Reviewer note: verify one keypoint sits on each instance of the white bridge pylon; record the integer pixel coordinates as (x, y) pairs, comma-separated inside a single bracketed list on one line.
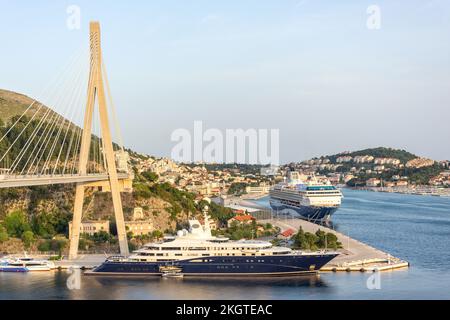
[(96, 91)]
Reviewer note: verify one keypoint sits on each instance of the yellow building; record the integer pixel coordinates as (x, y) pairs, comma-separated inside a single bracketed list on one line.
[(91, 227), (139, 228)]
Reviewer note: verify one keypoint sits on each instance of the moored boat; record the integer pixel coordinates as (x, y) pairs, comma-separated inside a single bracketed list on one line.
[(195, 252), (25, 264), (312, 200)]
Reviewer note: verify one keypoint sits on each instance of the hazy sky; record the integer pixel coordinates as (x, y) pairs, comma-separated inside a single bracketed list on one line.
[(312, 69)]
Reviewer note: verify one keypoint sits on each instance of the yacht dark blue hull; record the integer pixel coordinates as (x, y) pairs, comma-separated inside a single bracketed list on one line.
[(222, 266), (305, 212)]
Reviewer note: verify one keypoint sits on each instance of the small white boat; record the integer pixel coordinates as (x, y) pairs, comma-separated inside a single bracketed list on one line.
[(171, 272), (172, 275), (25, 264)]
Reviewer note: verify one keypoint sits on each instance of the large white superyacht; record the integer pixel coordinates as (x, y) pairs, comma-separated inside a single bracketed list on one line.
[(197, 252)]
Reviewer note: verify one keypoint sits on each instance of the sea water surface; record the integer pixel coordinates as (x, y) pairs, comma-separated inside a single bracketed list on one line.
[(415, 228)]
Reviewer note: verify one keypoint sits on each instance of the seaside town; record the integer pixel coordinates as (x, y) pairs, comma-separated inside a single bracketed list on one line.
[(228, 186), (225, 155), (416, 175)]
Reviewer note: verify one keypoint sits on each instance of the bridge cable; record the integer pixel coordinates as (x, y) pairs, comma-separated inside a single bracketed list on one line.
[(36, 129), (79, 134), (112, 107), (47, 88), (46, 134), (62, 123)]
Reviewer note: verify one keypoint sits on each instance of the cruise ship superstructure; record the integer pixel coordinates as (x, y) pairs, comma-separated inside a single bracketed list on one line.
[(197, 252), (311, 200)]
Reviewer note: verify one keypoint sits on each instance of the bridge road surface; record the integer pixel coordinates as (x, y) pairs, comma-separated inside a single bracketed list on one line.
[(41, 180)]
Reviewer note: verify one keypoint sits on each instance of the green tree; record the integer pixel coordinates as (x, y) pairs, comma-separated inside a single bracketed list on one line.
[(322, 241), (129, 235), (85, 243), (305, 240), (58, 245), (3, 234), (333, 241), (28, 238), (300, 239), (150, 176), (311, 241), (132, 246), (42, 225), (157, 234), (101, 237), (44, 246), (16, 224), (237, 188)]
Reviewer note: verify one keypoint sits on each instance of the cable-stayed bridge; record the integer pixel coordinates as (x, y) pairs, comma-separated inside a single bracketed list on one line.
[(70, 141)]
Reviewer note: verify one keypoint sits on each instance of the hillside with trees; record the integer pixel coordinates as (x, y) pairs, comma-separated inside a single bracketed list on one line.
[(37, 218), (380, 152)]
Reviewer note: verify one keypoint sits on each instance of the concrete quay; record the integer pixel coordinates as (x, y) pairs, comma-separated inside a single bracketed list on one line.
[(355, 255)]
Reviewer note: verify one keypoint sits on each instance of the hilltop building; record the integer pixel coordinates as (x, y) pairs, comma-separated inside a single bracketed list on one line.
[(388, 161), (419, 163), (344, 159), (363, 159), (122, 160)]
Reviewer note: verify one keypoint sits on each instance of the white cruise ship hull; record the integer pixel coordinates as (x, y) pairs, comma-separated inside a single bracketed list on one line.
[(312, 213)]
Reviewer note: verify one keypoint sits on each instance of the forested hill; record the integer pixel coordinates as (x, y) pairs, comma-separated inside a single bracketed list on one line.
[(32, 218), (17, 128), (14, 104), (380, 152)]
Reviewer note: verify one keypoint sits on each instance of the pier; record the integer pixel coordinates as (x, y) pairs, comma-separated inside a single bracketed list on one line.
[(354, 256)]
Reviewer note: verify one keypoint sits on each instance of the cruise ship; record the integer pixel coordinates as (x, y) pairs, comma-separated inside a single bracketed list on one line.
[(195, 252), (305, 198)]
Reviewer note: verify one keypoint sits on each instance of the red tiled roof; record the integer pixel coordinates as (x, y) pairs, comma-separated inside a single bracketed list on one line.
[(287, 233), (244, 218)]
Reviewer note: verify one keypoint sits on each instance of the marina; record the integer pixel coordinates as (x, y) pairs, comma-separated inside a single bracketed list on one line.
[(355, 256), (400, 229)]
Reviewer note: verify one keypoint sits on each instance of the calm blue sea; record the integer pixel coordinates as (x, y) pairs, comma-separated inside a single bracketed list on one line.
[(415, 228)]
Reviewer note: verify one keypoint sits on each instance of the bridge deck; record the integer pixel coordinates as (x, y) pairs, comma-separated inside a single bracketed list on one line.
[(41, 180)]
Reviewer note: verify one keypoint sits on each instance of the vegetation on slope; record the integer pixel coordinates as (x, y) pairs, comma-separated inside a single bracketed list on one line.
[(13, 104), (380, 152)]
